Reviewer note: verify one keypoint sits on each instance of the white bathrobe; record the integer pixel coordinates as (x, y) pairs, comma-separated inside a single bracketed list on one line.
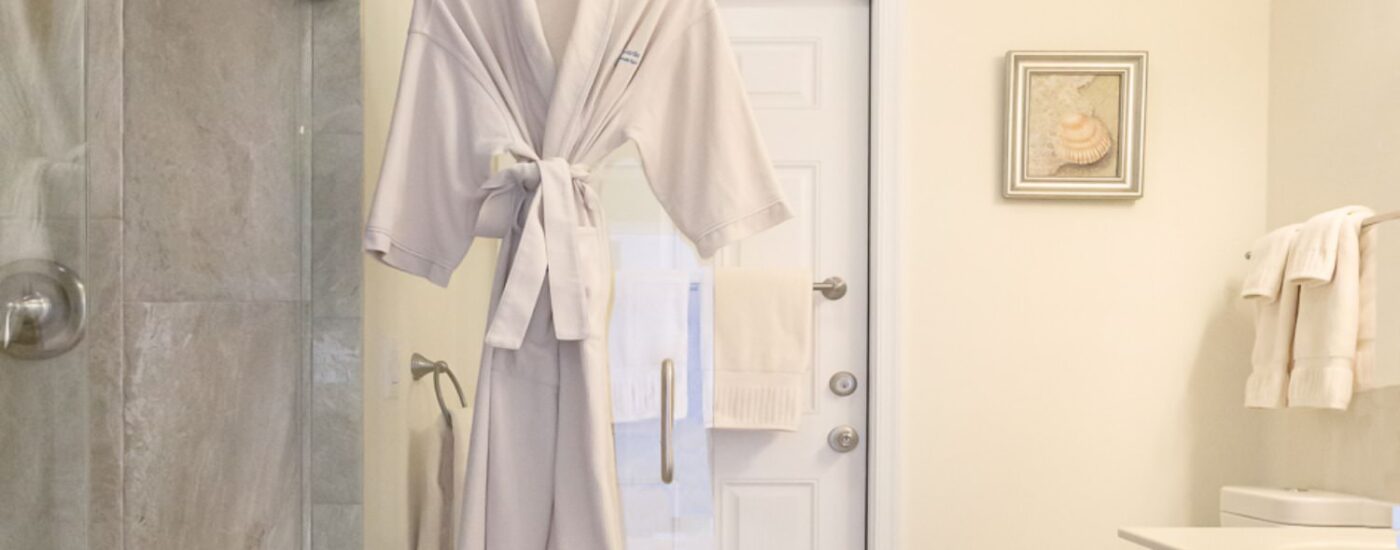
[(479, 80)]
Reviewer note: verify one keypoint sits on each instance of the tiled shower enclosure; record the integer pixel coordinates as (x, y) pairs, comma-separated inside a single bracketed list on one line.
[(197, 163)]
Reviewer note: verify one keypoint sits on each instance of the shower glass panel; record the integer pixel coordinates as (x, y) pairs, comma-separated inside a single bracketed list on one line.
[(43, 191)]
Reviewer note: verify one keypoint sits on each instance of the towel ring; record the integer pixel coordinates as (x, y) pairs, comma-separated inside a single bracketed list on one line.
[(422, 366)]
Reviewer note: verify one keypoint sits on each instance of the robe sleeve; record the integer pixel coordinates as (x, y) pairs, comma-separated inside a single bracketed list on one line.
[(699, 144), (444, 130)]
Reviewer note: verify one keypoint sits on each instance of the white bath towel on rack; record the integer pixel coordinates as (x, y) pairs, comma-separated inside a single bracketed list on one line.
[(1275, 317), (649, 325), (763, 347), (1333, 263)]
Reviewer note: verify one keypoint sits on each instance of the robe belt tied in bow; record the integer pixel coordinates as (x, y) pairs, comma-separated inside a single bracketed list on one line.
[(549, 190)]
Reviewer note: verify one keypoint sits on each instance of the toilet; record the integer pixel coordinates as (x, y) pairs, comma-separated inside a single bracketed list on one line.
[(1265, 507)]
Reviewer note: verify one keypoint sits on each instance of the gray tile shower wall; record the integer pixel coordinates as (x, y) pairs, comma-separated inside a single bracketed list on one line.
[(201, 308), (337, 138), (104, 340), (336, 57), (213, 454), (211, 274), (211, 199), (106, 382)]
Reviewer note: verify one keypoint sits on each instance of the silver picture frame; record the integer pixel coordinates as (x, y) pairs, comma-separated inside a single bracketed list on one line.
[(1085, 143)]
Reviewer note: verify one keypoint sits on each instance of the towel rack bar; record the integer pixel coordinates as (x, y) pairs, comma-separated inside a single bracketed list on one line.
[(1378, 218), (1368, 222)]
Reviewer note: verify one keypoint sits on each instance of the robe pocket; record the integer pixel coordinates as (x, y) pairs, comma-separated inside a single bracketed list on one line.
[(596, 271)]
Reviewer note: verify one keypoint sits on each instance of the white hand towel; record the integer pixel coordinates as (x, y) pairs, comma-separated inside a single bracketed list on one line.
[(763, 347), (649, 324), (1313, 260), (1267, 260), (438, 472), (1275, 314), (1329, 331)]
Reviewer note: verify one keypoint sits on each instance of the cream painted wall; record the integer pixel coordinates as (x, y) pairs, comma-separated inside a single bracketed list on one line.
[(1333, 140), (404, 314), (1073, 367)]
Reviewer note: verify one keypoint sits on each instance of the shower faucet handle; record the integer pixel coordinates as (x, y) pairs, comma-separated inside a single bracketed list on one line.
[(29, 310), (45, 309)]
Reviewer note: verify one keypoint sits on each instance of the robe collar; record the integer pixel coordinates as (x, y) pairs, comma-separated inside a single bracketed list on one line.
[(571, 78)]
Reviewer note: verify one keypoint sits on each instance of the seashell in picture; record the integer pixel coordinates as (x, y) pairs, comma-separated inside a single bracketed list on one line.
[(1082, 139)]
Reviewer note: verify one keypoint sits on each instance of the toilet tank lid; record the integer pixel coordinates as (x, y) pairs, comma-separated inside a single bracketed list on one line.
[(1305, 507)]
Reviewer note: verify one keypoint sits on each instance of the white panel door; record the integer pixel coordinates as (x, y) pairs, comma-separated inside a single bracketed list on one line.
[(806, 66)]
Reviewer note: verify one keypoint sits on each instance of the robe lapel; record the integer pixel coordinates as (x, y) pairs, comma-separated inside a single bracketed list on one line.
[(513, 47), (532, 42), (567, 122), (614, 78)]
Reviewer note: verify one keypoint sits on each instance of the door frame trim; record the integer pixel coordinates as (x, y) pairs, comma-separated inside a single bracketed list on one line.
[(883, 485)]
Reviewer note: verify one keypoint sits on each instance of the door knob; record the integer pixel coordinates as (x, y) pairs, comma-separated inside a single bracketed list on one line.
[(44, 309), (843, 439)]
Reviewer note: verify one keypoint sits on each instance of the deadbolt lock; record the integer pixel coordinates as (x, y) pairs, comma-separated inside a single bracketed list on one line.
[(843, 383)]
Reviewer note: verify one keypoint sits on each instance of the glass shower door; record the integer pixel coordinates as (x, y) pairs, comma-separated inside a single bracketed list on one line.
[(43, 190)]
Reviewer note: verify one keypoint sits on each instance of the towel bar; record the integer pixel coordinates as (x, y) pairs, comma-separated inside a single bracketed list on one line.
[(1368, 222), (422, 366)]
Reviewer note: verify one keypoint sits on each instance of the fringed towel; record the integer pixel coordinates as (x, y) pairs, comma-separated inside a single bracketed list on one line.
[(763, 347), (649, 325), (1332, 263), (1275, 315)]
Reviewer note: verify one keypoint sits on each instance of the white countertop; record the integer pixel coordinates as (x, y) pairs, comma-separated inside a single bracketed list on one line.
[(1259, 538)]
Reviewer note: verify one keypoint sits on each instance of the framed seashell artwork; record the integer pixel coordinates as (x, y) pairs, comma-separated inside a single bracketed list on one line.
[(1074, 124)]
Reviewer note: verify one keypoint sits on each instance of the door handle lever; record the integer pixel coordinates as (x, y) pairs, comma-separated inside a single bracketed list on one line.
[(668, 420)]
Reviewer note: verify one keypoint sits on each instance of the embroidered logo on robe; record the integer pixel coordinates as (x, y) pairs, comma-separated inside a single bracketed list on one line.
[(632, 57)]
